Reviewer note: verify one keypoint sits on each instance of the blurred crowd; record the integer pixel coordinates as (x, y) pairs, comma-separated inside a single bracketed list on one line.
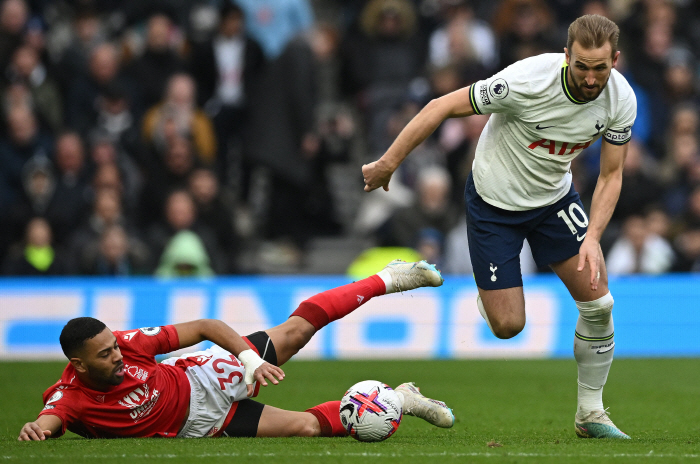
[(202, 137)]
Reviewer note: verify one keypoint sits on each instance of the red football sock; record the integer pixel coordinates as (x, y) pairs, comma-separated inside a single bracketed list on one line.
[(328, 415), (333, 304)]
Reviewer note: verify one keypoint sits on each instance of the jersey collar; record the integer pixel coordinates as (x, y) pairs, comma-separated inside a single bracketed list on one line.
[(565, 86)]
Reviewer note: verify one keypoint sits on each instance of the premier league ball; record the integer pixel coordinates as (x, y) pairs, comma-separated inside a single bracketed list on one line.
[(370, 411)]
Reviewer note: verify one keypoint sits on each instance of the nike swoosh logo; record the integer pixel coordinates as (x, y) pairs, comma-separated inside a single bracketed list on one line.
[(540, 128), (580, 237), (606, 349)]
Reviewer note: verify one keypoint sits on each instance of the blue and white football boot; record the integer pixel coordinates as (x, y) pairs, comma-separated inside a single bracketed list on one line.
[(405, 276), (597, 424)]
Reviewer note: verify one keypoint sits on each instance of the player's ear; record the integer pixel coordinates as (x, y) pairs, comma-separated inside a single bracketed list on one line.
[(78, 365), (568, 57), (617, 55)]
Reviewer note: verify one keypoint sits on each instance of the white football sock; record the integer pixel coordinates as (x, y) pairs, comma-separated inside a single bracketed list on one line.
[(594, 344), (388, 281)]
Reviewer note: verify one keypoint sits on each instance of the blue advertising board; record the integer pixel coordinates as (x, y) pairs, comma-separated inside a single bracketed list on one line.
[(654, 316)]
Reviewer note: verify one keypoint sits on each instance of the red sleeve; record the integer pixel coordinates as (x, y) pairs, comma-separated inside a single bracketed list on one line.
[(62, 404), (150, 340)]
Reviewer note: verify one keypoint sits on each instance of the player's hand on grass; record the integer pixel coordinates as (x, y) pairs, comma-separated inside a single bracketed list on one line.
[(377, 174), (258, 370), (591, 252), (33, 432)]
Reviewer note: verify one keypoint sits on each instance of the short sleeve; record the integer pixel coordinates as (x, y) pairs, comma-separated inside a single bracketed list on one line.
[(150, 340), (620, 130), (501, 93), (61, 404)]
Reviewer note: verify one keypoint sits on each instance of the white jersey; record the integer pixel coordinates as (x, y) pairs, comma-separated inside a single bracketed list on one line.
[(524, 154)]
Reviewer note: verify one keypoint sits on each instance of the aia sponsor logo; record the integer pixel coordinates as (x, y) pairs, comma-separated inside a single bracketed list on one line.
[(136, 372), (559, 148)]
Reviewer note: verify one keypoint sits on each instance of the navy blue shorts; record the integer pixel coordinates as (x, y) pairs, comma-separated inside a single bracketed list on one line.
[(496, 236)]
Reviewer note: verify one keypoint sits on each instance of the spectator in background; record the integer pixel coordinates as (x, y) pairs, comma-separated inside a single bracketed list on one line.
[(86, 240), (181, 215), (638, 251), (24, 141), (158, 62), (87, 32), (381, 62), (284, 141), (28, 75), (431, 210), (37, 200), (274, 23), (104, 152), (525, 28), (13, 18), (184, 256), (115, 254), (170, 173), (227, 69), (86, 90), (464, 41), (36, 257), (71, 195), (117, 120), (679, 170), (215, 210), (178, 114), (640, 187)]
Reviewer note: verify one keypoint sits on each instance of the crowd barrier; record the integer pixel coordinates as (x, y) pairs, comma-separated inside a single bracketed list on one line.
[(654, 316)]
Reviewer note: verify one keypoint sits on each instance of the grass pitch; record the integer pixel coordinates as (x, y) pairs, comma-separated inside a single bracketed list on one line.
[(507, 412)]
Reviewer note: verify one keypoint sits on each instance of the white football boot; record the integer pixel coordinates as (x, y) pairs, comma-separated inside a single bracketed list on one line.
[(415, 404), (400, 276), (597, 424)]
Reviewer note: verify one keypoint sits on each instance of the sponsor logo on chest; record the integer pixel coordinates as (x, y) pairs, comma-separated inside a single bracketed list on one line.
[(136, 372), (140, 402), (554, 147)]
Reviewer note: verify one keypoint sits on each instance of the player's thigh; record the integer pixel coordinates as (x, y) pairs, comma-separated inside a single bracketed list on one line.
[(496, 238), (505, 306), (579, 282), (275, 422)]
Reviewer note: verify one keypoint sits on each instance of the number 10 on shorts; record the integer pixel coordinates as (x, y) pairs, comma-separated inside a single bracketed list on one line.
[(573, 217)]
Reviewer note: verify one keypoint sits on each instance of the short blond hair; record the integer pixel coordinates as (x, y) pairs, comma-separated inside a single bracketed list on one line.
[(593, 31)]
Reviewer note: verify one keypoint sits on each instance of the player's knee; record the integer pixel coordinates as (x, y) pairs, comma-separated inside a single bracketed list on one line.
[(597, 312), (307, 426), (507, 327)]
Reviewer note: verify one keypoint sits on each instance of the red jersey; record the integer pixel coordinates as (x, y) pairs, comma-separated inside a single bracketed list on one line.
[(151, 401)]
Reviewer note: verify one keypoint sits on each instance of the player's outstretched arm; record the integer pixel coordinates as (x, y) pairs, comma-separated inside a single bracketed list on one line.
[(605, 196), (44, 427), (191, 333), (453, 105)]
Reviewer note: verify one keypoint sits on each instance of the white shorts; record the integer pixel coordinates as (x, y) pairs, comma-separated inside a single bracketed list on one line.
[(216, 383)]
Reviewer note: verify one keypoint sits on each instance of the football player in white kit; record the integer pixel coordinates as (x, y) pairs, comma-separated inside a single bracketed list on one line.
[(545, 110)]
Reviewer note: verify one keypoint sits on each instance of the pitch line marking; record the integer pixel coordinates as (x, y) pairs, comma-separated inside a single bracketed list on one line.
[(650, 454)]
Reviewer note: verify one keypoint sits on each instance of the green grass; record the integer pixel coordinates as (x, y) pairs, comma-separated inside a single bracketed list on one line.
[(526, 407)]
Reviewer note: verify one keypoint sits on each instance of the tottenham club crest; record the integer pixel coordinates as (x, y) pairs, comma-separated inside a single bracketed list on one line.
[(499, 89)]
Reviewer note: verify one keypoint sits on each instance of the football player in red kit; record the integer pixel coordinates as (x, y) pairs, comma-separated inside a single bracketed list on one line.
[(113, 386)]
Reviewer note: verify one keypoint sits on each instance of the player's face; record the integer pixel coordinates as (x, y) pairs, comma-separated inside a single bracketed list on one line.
[(589, 69), (101, 360)]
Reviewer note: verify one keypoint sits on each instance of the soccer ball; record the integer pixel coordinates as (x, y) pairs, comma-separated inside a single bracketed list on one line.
[(370, 411)]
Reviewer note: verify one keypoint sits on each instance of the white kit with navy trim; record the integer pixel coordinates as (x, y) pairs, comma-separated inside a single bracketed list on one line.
[(524, 154)]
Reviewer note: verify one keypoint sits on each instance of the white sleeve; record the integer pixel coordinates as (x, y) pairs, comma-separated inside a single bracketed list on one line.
[(620, 130), (504, 92)]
